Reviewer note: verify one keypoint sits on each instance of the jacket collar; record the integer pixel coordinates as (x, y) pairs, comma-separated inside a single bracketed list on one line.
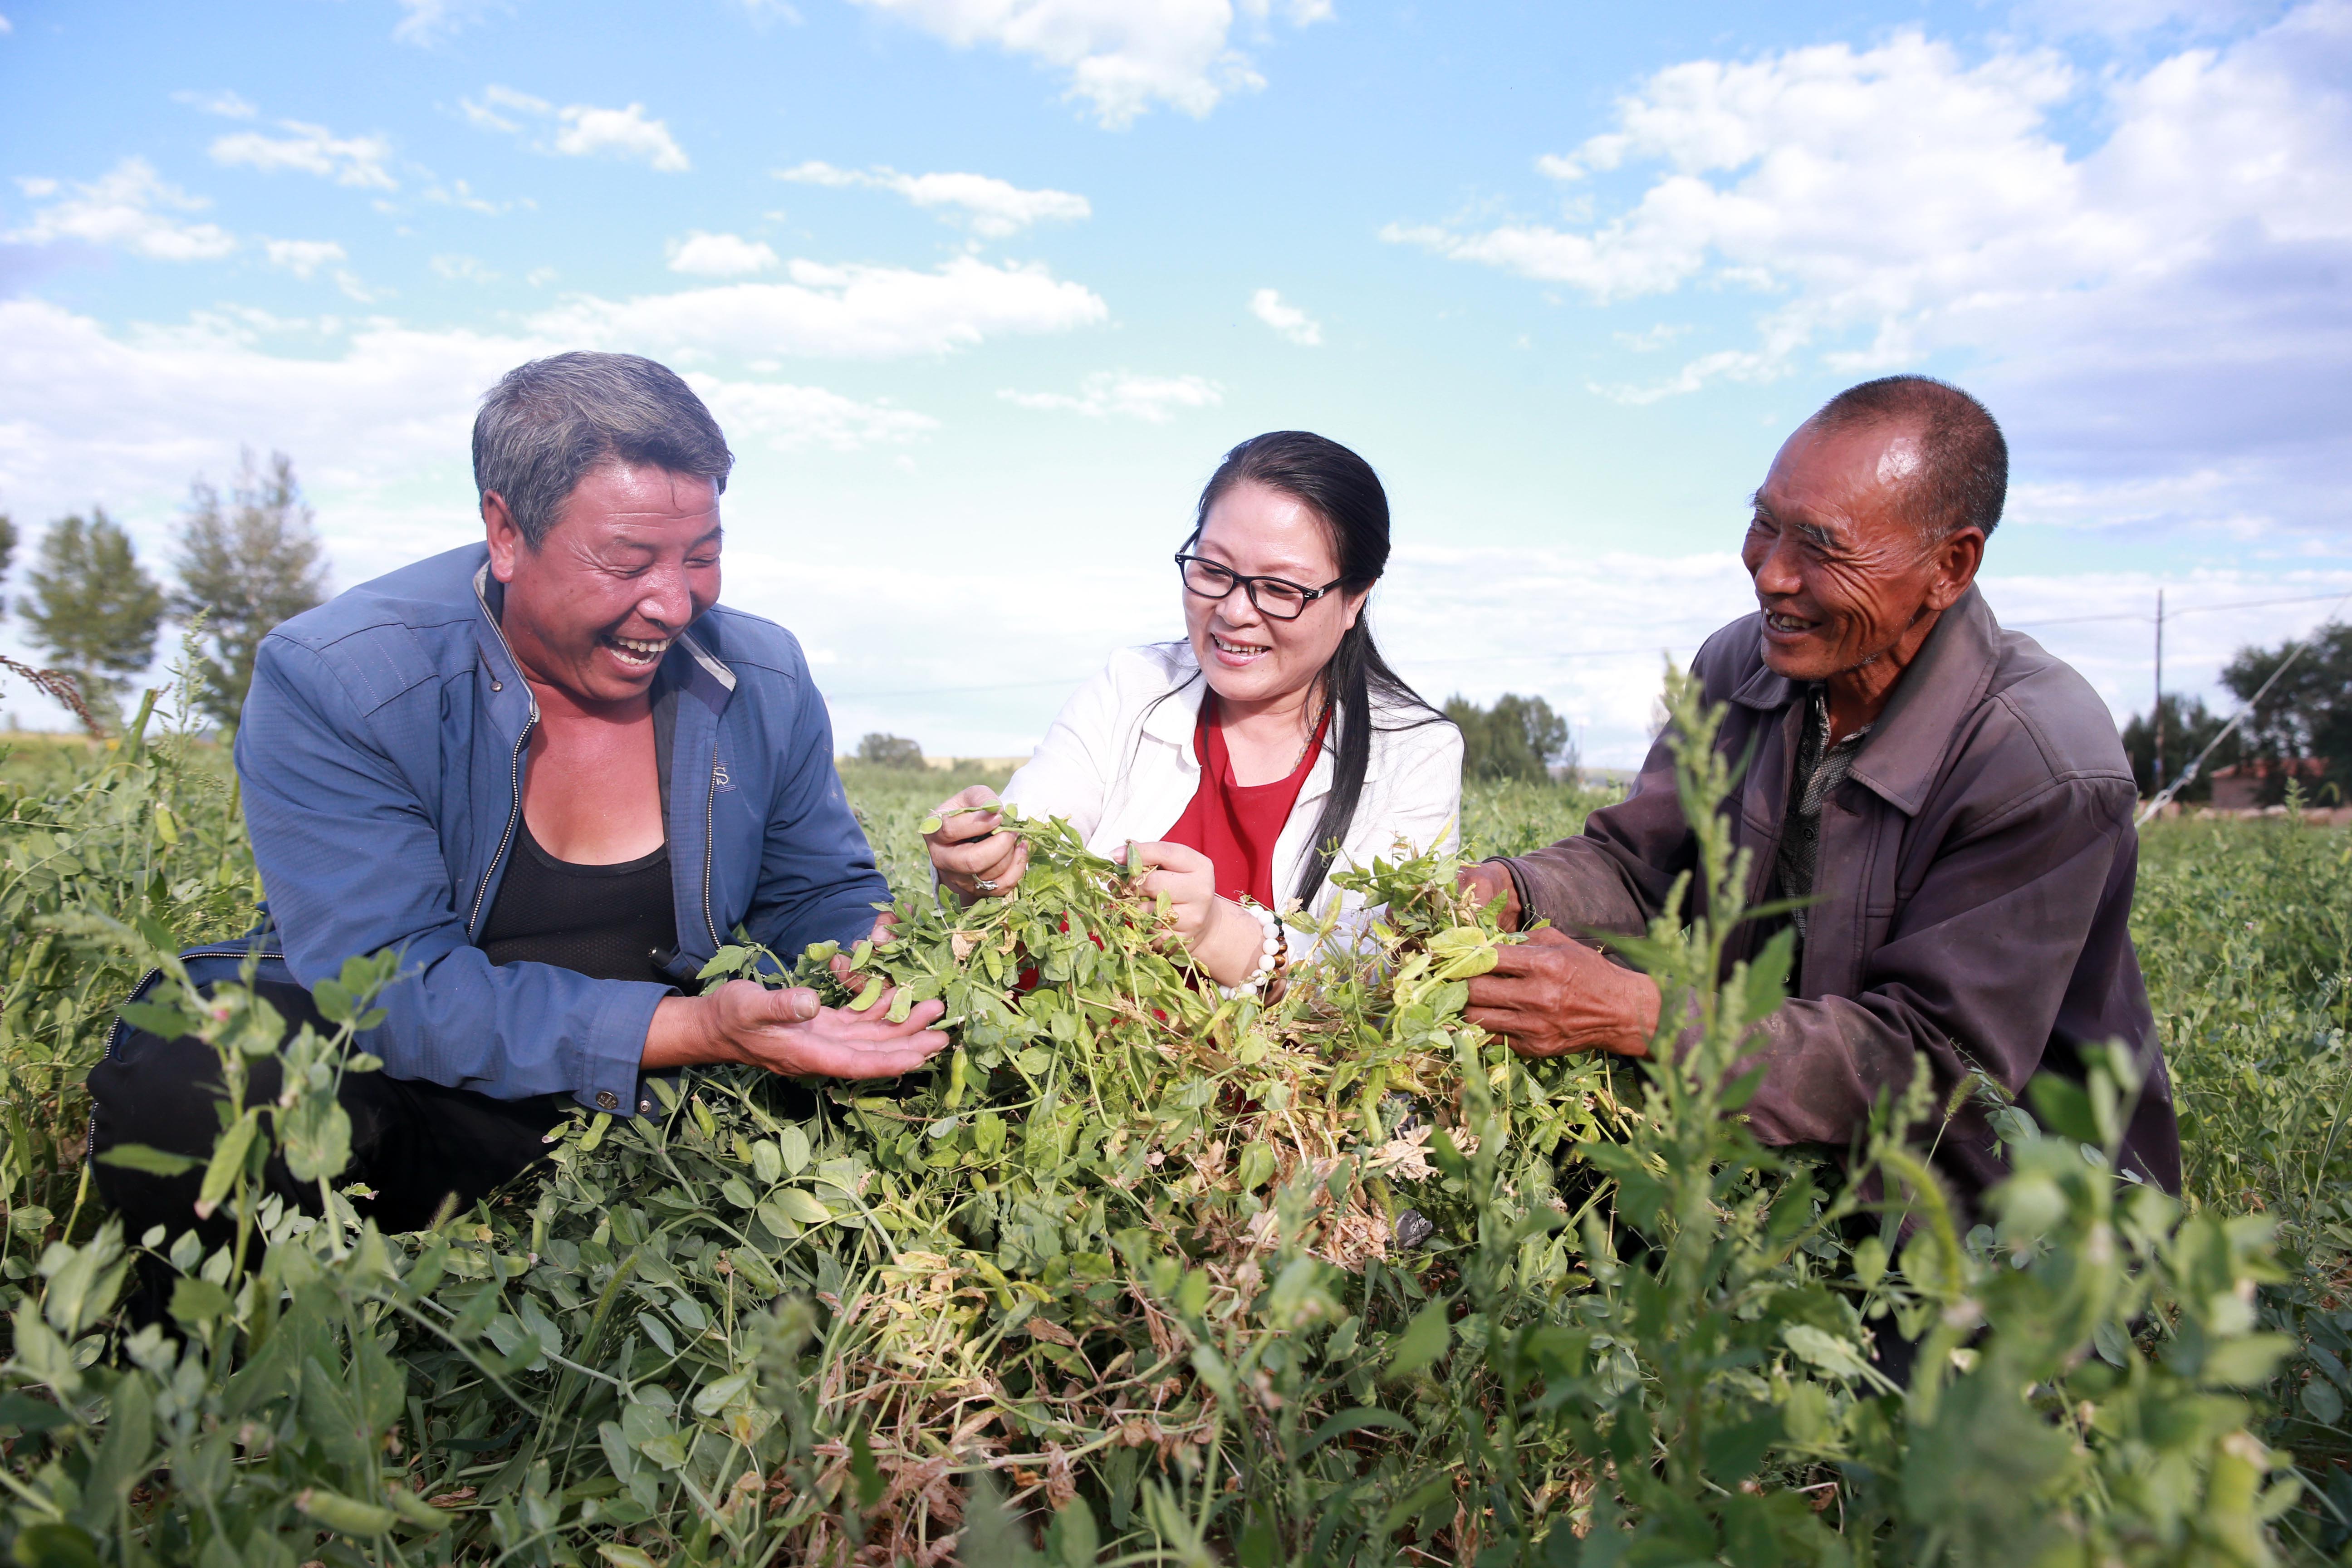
[(1945, 683), (1909, 741)]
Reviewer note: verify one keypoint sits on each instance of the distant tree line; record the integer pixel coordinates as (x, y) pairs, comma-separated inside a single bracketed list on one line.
[(244, 561), (2305, 720), (1517, 738)]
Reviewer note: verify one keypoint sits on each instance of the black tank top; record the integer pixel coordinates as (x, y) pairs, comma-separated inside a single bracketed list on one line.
[(605, 921)]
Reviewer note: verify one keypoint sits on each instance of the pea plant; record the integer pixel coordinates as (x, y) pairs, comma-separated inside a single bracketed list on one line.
[(1141, 1275)]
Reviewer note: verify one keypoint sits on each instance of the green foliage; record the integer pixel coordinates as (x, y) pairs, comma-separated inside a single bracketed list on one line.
[(1517, 738), (92, 606), (890, 751), (7, 552), (244, 565), (2188, 727), (2308, 713), (1131, 1277)]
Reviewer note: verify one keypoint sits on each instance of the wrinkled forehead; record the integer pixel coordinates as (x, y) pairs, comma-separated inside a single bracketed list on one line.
[(1842, 478)]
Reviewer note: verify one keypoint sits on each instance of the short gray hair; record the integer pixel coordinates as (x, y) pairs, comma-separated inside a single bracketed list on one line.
[(546, 424)]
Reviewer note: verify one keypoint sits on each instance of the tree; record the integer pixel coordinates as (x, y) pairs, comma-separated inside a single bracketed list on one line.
[(2309, 715), (93, 607), (7, 553), (1518, 738), (890, 751), (2188, 727), (245, 566)]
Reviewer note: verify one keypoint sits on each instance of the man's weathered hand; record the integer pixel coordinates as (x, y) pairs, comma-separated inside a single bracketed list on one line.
[(788, 1031), (968, 850), (1552, 994), (1487, 881)]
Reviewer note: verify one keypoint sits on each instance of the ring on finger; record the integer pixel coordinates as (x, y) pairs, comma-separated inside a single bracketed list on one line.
[(985, 884)]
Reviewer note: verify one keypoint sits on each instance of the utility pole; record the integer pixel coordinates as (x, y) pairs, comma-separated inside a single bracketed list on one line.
[(2158, 782)]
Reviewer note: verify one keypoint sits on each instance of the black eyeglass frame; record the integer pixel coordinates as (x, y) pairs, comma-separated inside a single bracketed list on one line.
[(1248, 584)]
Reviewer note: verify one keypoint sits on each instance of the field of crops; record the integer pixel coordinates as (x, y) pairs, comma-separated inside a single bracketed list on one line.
[(1138, 1277)]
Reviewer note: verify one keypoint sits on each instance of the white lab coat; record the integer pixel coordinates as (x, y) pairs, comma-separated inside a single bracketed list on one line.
[(1118, 764)]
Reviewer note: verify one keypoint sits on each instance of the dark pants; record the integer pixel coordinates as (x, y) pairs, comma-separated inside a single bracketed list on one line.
[(418, 1145)]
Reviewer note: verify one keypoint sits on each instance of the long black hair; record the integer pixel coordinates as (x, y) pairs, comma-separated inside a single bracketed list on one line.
[(1340, 488)]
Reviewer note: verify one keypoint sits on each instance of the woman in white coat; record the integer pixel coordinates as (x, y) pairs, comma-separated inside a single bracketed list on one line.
[(1271, 745)]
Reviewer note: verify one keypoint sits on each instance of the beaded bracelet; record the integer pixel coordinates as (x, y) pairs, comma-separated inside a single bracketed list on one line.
[(1269, 953)]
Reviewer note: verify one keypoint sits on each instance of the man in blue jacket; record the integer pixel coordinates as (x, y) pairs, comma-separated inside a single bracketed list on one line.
[(555, 774)]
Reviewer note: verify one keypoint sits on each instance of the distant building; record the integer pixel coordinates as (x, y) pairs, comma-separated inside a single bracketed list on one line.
[(2263, 781)]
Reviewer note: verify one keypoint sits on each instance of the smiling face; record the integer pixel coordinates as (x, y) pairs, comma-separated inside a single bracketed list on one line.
[(1844, 577), (632, 558), (1253, 660)]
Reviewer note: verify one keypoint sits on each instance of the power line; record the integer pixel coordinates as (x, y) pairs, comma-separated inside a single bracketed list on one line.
[(2169, 615), (2164, 796)]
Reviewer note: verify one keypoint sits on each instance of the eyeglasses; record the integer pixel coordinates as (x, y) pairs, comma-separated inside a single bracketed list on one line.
[(1278, 598)]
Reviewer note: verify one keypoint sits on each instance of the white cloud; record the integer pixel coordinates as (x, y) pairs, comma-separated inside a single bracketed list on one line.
[(6, 26), (2161, 295), (989, 206), (1155, 399), (719, 256), (459, 269), (1287, 320), (623, 132), (458, 194), (311, 150), (376, 414), (426, 22), (120, 208), (227, 104), (582, 129), (787, 418), (302, 257), (1121, 56), (837, 312)]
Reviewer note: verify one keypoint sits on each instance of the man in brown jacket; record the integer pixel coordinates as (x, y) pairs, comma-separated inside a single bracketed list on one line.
[(1953, 802)]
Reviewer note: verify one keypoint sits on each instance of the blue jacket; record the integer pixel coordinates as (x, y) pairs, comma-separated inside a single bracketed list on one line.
[(381, 756)]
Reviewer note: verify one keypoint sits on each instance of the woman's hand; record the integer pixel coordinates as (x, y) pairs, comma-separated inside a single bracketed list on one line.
[(1223, 938), (967, 850)]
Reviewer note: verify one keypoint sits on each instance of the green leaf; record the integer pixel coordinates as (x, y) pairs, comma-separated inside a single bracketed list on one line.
[(1423, 1341), (2064, 1108), (197, 1301), (164, 1023), (800, 1204), (50, 1544), (154, 1161), (1356, 1420), (2245, 1362), (2322, 1402), (721, 1394), (227, 1162), (871, 1483), (28, 1414), (1826, 1352), (1072, 1540)]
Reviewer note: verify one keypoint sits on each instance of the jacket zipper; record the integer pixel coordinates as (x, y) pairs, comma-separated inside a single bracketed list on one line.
[(507, 837), (515, 769), (709, 845)]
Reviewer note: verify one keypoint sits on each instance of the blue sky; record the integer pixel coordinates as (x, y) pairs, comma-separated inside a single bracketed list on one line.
[(980, 289)]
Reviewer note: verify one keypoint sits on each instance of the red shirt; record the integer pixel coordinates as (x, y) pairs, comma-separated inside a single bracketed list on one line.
[(1235, 825)]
